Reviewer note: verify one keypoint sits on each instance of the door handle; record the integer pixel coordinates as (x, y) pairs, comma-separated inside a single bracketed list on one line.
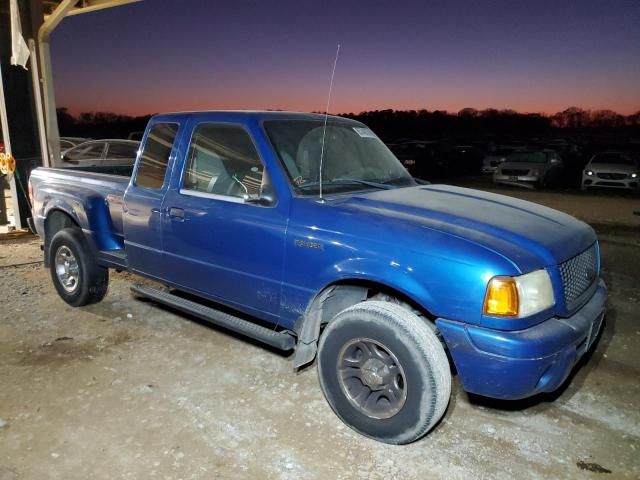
[(177, 213)]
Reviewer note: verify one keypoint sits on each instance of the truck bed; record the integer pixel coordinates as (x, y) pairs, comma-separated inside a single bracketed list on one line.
[(77, 190)]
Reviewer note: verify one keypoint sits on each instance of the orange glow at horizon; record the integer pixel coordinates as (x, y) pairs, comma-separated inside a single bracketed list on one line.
[(531, 57), (299, 104)]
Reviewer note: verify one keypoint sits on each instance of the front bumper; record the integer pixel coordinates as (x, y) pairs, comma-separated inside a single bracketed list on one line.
[(628, 183), (519, 364), (526, 179)]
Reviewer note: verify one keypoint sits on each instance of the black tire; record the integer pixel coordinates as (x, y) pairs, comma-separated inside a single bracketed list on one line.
[(423, 363), (92, 280)]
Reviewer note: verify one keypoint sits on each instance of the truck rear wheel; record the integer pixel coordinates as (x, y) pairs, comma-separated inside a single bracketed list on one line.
[(384, 372), (78, 279)]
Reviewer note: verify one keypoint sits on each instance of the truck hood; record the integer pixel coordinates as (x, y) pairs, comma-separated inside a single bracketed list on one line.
[(529, 235)]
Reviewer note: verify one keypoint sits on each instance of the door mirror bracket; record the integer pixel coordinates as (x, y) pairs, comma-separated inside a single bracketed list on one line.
[(263, 199)]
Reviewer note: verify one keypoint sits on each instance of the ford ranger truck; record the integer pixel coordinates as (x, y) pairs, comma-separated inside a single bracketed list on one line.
[(312, 237)]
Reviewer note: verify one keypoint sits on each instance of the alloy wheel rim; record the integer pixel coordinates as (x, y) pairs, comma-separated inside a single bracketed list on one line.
[(371, 378), (67, 269)]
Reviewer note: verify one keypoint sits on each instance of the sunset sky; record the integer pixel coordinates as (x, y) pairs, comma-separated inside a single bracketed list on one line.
[(532, 56)]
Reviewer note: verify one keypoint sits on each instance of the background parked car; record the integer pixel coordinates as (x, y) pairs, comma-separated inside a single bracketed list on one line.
[(422, 158), (105, 156), (494, 158), (611, 170), (530, 168), (69, 142)]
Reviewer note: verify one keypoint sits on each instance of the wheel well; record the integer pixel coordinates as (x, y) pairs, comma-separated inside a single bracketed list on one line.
[(335, 298), (339, 300), (56, 220)]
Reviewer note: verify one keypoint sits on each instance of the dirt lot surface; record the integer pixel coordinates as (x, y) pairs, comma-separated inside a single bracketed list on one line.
[(126, 389)]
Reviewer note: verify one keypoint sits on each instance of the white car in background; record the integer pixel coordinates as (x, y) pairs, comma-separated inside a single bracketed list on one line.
[(611, 170)]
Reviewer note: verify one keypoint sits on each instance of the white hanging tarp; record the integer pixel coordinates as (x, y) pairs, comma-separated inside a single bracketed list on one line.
[(19, 49)]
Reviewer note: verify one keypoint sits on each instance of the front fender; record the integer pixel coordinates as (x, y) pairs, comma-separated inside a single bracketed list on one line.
[(381, 272), (446, 282)]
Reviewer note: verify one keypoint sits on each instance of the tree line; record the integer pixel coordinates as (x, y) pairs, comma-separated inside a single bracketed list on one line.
[(99, 124), (397, 124)]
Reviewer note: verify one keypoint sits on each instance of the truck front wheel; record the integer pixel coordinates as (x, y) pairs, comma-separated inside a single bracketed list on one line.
[(78, 279), (384, 372)]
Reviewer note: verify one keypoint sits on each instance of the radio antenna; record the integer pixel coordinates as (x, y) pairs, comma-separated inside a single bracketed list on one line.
[(326, 115)]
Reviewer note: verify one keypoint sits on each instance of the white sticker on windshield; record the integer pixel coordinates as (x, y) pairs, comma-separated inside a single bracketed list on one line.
[(364, 132)]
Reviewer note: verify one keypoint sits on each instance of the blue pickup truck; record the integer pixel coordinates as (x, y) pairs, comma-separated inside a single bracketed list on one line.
[(307, 234)]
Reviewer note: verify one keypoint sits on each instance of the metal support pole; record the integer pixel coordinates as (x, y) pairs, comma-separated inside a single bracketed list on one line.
[(7, 148), (37, 93), (64, 8), (53, 134)]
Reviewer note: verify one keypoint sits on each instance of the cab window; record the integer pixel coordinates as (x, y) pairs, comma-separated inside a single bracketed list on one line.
[(222, 160)]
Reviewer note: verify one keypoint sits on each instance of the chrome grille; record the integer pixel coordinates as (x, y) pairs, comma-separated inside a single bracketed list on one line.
[(578, 274)]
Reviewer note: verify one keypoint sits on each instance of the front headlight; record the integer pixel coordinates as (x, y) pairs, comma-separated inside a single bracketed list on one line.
[(520, 296), (588, 172), (634, 175)]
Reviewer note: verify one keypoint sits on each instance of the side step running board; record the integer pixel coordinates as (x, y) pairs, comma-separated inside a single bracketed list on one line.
[(280, 340)]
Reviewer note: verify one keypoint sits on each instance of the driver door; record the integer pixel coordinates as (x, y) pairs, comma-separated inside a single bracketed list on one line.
[(217, 245)]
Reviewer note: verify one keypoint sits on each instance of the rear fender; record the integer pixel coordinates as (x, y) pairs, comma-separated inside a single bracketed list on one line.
[(90, 213)]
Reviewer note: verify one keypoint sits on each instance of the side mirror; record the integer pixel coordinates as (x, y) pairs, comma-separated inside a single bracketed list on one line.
[(264, 199)]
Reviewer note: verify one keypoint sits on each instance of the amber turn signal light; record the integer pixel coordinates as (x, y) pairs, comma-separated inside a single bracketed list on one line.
[(501, 298)]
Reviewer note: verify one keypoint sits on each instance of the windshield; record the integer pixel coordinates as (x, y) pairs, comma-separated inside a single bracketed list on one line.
[(354, 157), (612, 159), (528, 157)]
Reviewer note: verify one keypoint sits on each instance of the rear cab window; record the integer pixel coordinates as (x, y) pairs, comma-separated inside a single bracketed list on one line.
[(155, 155)]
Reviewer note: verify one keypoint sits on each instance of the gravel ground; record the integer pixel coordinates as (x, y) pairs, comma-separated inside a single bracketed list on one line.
[(127, 389)]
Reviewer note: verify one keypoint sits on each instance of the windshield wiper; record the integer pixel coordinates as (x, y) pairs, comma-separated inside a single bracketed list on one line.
[(349, 181)]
